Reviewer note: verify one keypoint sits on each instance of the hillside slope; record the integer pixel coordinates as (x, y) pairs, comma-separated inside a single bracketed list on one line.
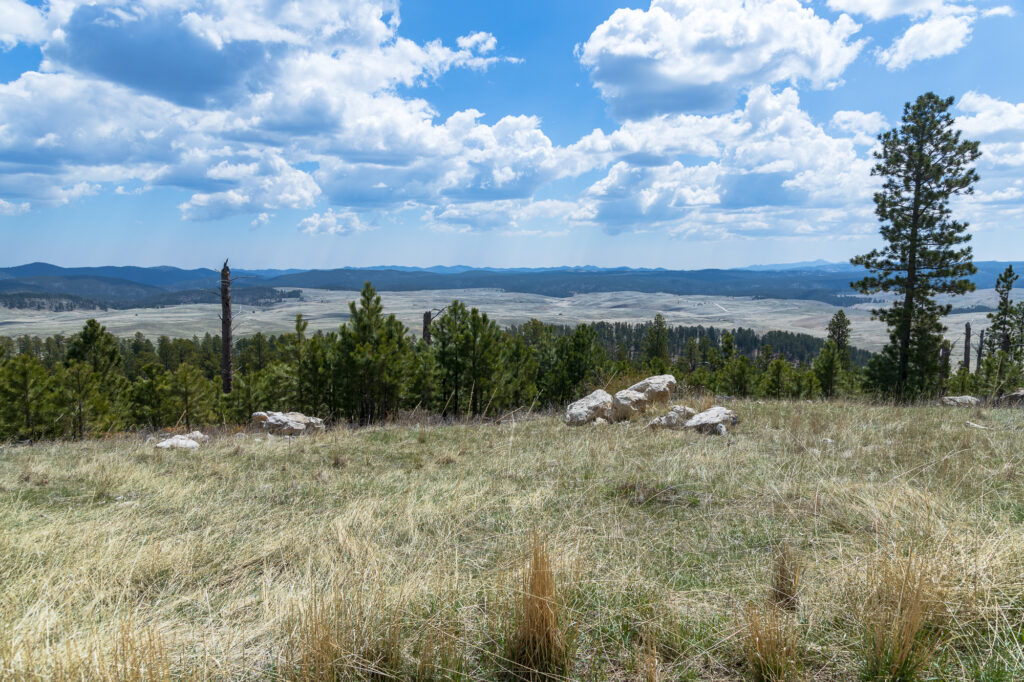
[(399, 549)]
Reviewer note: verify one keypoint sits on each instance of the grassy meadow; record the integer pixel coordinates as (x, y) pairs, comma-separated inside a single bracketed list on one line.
[(817, 541)]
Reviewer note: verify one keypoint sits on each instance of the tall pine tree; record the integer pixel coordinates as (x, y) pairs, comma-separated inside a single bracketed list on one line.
[(924, 163), (1001, 330)]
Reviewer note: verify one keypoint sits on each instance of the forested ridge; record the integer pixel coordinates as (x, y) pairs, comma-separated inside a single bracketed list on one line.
[(372, 368)]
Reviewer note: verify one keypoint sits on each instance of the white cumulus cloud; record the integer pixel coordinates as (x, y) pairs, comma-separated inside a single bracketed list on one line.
[(7, 208), (20, 23), (694, 55), (940, 28), (333, 222), (938, 36), (864, 126), (886, 9)]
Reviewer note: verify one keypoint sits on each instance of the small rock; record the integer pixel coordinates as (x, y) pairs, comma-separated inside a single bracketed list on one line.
[(710, 420), (960, 401), (586, 410), (178, 441), (674, 418), (287, 423)]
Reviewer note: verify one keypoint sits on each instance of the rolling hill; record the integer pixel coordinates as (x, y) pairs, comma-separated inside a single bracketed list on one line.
[(130, 286)]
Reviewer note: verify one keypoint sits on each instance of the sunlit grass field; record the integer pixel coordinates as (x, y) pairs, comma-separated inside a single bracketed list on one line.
[(825, 541)]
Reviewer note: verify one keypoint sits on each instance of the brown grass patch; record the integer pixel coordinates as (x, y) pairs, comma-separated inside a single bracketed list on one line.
[(771, 642), (338, 636), (901, 615), (786, 578), (538, 648)]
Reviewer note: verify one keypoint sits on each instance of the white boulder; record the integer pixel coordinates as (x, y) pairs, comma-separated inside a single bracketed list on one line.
[(674, 418), (628, 403), (585, 410), (287, 423), (198, 436), (713, 421), (657, 389), (960, 401), (178, 441)]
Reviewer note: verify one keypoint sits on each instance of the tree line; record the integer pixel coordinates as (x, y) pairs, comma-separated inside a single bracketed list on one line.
[(372, 367)]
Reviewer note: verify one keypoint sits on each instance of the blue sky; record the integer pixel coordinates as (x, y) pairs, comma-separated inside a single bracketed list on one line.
[(316, 133)]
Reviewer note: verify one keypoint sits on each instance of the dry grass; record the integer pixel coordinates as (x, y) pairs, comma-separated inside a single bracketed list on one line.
[(132, 654), (648, 663), (342, 636), (537, 648), (786, 579), (902, 613), (396, 552), (771, 643)]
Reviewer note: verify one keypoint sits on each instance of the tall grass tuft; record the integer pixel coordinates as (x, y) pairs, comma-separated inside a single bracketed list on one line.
[(537, 648), (771, 642), (336, 637), (648, 663), (900, 616), (786, 579)]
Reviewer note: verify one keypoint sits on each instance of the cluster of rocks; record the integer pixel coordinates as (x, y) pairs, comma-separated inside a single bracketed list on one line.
[(286, 423), (600, 407), (274, 423)]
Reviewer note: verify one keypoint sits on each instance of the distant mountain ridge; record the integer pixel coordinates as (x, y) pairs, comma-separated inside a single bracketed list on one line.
[(133, 286)]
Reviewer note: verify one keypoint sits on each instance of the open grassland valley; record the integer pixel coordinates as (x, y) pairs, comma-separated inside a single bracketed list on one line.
[(814, 541)]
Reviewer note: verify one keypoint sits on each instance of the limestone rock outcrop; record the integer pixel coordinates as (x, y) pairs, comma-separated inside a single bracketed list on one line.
[(960, 401), (674, 418), (657, 389), (628, 403), (287, 423), (178, 441), (585, 410), (713, 421)]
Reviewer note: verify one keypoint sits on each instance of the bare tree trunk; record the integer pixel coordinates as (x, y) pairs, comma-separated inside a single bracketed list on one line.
[(944, 353), (427, 318), (967, 346), (981, 348), (225, 328)]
